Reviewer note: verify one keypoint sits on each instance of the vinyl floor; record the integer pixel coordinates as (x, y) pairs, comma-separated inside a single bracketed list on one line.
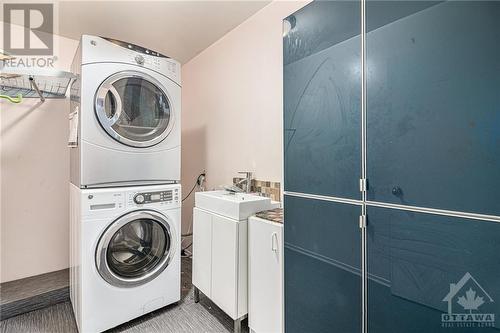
[(186, 316)]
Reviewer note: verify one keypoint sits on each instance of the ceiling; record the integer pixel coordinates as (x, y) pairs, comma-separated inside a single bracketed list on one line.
[(179, 29)]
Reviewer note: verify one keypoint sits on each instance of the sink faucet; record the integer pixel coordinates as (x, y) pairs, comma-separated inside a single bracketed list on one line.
[(247, 182)]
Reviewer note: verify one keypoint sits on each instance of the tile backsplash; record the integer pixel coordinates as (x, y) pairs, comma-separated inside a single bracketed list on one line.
[(266, 188)]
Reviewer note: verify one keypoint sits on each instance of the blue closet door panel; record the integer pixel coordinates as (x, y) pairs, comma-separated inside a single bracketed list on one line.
[(320, 297), (320, 25), (418, 262), (325, 229), (322, 94), (380, 13), (433, 112), (322, 266), (390, 314)]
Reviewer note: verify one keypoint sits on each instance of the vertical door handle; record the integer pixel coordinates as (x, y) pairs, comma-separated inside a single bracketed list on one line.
[(100, 105), (274, 242)]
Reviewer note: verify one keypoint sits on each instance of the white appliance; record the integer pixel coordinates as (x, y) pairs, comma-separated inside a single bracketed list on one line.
[(128, 101), (124, 253), (265, 276)]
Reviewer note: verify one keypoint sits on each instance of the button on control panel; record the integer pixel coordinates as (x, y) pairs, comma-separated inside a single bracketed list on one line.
[(152, 197), (148, 61), (139, 59)]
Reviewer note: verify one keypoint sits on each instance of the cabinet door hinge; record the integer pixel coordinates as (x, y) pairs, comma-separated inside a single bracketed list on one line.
[(362, 222), (363, 185)]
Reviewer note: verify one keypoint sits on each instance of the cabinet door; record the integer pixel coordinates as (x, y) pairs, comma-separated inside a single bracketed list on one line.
[(433, 113), (322, 266), (265, 252), (224, 264), (202, 251), (423, 269), (322, 92)]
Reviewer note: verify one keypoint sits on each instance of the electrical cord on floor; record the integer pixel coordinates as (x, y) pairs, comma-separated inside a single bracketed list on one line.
[(186, 254), (187, 247)]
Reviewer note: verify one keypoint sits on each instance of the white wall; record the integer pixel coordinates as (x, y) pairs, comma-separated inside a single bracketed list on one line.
[(34, 181), (232, 104), (232, 121)]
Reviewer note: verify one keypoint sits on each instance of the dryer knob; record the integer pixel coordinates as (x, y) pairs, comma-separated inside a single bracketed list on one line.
[(139, 199), (139, 59)]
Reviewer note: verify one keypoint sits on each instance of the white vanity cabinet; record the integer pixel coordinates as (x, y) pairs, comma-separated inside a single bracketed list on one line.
[(220, 261), (265, 290), (202, 251), (220, 252)]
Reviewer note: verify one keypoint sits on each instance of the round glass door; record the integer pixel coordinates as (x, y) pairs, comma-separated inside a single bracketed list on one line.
[(135, 249), (133, 109)]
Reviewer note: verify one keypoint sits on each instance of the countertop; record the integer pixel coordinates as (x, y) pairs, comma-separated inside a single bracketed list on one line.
[(273, 215)]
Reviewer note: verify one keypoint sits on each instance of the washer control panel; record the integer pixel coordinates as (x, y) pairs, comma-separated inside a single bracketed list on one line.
[(158, 196)]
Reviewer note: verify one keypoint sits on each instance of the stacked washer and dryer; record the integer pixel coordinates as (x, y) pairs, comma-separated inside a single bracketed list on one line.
[(125, 196)]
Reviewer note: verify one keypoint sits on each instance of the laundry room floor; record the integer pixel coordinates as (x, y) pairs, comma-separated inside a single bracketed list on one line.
[(186, 316)]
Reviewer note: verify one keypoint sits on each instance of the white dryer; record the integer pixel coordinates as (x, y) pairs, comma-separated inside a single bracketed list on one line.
[(128, 101), (124, 253)]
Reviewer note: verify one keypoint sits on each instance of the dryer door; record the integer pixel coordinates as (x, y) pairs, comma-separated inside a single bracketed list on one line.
[(133, 109), (135, 248)]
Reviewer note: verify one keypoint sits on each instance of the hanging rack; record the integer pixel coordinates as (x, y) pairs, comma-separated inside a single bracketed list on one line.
[(34, 83)]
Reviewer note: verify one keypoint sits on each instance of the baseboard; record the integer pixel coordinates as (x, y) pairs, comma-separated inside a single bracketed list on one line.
[(33, 293)]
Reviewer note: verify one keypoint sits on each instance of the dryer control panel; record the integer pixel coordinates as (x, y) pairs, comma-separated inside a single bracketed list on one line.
[(106, 50), (146, 57), (157, 196)]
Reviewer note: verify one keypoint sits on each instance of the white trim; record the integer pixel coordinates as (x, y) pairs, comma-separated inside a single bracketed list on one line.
[(435, 211), (323, 198)]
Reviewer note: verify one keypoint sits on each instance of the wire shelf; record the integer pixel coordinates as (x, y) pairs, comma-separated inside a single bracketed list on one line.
[(35, 83)]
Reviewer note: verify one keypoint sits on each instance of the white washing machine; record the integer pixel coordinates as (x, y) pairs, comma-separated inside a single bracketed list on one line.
[(124, 253), (128, 101)]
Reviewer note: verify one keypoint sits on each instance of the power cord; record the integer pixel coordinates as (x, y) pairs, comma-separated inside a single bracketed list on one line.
[(187, 196), (199, 180)]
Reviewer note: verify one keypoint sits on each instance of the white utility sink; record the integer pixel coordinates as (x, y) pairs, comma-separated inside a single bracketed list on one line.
[(238, 206)]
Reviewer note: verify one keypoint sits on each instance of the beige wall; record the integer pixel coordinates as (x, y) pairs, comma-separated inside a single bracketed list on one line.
[(232, 104), (232, 119), (34, 181)]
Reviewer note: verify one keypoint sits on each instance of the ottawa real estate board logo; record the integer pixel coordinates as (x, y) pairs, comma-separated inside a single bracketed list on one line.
[(465, 299)]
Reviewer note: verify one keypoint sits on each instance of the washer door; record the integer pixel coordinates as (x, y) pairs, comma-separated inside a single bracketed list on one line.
[(133, 109), (135, 249)]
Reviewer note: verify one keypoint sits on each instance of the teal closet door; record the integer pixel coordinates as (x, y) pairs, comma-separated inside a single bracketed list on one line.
[(322, 266), (322, 93), (433, 104), (428, 271)]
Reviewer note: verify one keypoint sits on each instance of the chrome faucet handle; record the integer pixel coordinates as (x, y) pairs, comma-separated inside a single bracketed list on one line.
[(248, 180)]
